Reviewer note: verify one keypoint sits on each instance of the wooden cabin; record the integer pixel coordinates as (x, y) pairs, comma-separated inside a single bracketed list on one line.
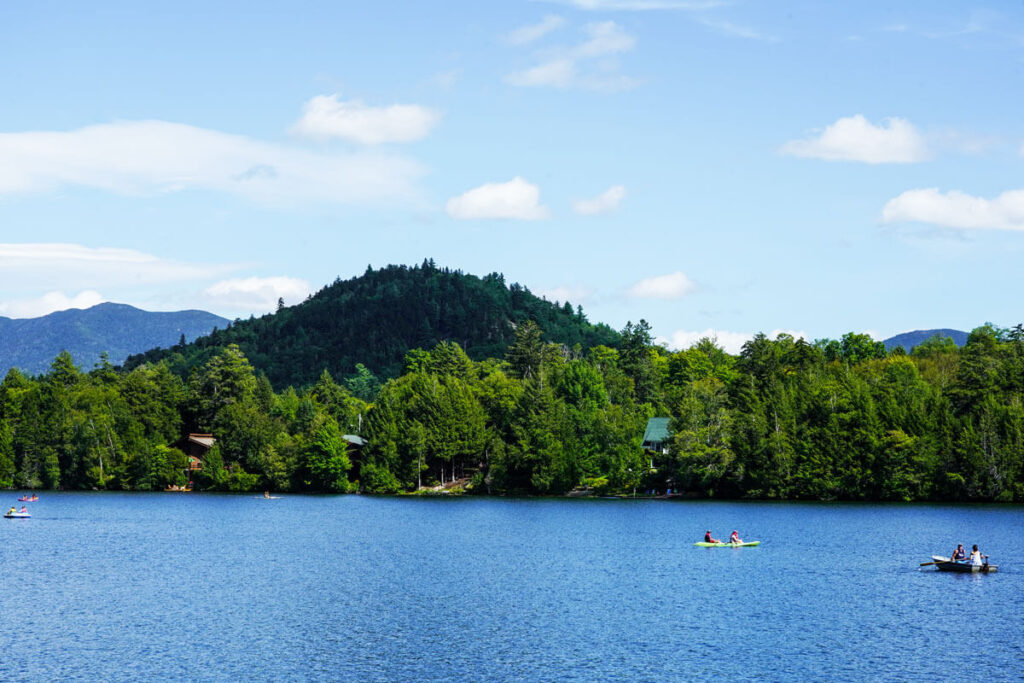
[(196, 447)]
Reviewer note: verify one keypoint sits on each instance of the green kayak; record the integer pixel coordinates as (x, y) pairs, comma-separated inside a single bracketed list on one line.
[(745, 544)]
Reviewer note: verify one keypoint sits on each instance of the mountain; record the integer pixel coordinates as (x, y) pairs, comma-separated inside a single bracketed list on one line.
[(908, 340), (31, 344), (376, 318)]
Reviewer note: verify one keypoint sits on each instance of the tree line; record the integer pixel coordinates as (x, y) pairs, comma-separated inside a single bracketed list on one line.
[(784, 419)]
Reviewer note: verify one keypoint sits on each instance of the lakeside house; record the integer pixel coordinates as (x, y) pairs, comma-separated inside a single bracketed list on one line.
[(657, 435), (656, 442), (354, 448), (196, 446)]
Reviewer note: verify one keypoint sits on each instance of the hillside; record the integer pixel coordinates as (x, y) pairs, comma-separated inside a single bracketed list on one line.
[(31, 344), (374, 319), (908, 340)]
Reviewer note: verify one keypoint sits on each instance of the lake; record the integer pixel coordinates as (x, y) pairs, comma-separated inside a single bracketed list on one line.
[(107, 586)]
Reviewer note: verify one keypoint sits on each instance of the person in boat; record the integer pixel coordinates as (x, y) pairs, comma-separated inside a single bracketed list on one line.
[(24, 510), (708, 538), (12, 511), (977, 559), (959, 555), (266, 494), (734, 537)]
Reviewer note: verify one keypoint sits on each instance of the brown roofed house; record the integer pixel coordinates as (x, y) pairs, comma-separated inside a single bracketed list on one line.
[(196, 447)]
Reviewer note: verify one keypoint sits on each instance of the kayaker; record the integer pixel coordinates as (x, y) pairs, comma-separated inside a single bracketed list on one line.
[(977, 559), (708, 538), (959, 555), (12, 511), (734, 537)]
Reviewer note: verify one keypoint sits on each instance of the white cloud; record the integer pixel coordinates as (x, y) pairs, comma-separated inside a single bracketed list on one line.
[(558, 73), (325, 117), (124, 275), (957, 209), (588, 65), (49, 303), (158, 157), (738, 31), (732, 342), (671, 286), (605, 38), (574, 294), (528, 34), (129, 276), (446, 80), (516, 199), (854, 138), (256, 294), (603, 203), (72, 265)]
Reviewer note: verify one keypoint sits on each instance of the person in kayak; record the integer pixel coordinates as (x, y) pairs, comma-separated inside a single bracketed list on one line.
[(959, 555), (977, 559), (734, 537), (12, 511), (24, 510), (708, 538)]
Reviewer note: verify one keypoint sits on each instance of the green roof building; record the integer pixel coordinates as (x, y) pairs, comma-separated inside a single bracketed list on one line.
[(657, 435)]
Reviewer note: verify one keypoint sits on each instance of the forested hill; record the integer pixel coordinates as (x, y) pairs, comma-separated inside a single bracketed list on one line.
[(909, 340), (374, 319), (31, 344)]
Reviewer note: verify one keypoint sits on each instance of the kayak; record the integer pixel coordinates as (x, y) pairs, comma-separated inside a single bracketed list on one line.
[(27, 500), (17, 515), (745, 544)]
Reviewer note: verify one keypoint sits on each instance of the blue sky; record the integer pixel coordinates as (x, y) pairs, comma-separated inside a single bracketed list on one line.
[(717, 168)]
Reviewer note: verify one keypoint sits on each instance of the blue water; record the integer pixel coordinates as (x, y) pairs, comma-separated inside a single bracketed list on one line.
[(207, 587)]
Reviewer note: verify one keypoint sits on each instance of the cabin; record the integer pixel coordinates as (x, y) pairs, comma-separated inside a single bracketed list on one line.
[(196, 446), (657, 436), (354, 448)]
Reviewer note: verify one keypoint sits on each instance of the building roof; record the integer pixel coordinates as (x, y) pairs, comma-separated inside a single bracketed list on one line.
[(206, 440), (354, 440), (657, 430)]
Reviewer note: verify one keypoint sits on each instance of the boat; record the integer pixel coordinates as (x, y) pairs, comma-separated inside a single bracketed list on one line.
[(17, 515), (944, 564), (27, 499), (745, 544)]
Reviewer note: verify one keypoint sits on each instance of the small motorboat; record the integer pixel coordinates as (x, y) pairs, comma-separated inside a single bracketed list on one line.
[(944, 564), (745, 544), (18, 515)]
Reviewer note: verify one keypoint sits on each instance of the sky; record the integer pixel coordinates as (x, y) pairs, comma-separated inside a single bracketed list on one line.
[(717, 168)]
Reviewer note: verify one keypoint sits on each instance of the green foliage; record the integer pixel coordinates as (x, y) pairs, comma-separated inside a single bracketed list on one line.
[(837, 420), (377, 318), (325, 457)]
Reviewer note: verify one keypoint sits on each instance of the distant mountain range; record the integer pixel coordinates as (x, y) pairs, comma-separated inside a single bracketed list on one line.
[(31, 344), (908, 340)]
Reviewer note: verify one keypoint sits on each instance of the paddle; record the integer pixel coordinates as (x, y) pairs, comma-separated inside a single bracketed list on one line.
[(925, 564)]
